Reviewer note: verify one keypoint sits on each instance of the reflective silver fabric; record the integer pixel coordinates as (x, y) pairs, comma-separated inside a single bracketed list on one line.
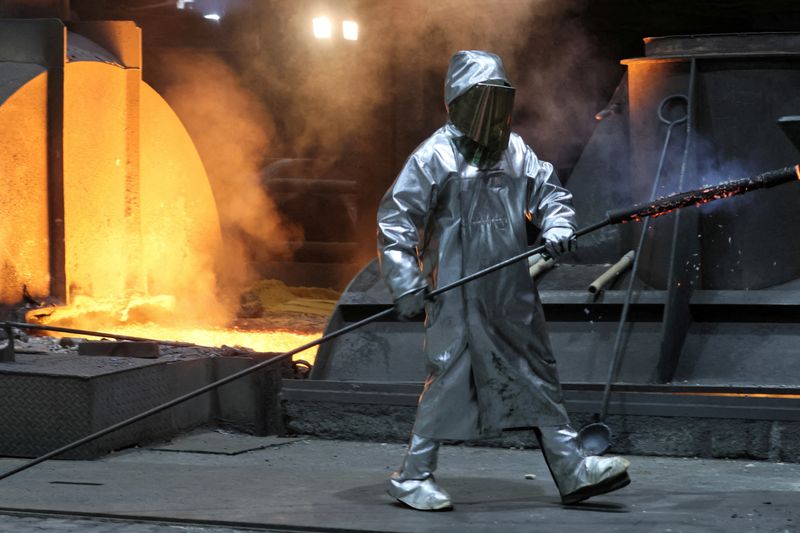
[(420, 460), (483, 114), (423, 495), (414, 483), (490, 362), (468, 68), (571, 470)]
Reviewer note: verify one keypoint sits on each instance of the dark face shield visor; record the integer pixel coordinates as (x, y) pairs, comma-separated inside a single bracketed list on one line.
[(484, 114)]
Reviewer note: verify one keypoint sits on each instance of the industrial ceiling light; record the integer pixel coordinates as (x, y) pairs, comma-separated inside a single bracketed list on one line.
[(212, 16), (322, 27), (350, 30)]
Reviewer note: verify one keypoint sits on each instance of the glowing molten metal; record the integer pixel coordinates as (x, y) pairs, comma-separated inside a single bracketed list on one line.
[(707, 194), (135, 317)]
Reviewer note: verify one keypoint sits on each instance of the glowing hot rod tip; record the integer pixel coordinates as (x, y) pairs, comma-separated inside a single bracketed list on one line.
[(797, 171)]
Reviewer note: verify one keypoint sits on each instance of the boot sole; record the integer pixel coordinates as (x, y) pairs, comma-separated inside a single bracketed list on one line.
[(609, 485)]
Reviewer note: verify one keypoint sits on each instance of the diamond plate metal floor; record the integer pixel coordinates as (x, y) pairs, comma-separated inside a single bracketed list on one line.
[(50, 400)]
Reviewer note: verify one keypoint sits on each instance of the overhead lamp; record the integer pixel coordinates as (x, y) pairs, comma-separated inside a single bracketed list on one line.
[(350, 30), (322, 27), (212, 16)]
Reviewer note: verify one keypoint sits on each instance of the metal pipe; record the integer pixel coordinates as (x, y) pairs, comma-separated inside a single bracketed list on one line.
[(278, 358), (194, 394), (596, 437), (611, 274), (540, 265), (676, 317), (617, 350), (90, 333)]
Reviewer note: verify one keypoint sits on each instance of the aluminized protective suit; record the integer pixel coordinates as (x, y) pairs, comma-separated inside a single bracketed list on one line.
[(490, 362)]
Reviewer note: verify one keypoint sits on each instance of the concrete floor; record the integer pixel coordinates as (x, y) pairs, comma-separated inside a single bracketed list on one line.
[(239, 481)]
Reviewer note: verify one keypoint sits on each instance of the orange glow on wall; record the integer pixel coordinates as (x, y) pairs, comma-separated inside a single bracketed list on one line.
[(157, 234), (141, 230), (24, 256)]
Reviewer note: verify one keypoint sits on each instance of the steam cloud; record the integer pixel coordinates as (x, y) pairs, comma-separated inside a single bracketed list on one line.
[(234, 134), (358, 109), (331, 96)]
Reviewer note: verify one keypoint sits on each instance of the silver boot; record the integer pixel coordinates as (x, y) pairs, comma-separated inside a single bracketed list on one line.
[(414, 484), (578, 476)]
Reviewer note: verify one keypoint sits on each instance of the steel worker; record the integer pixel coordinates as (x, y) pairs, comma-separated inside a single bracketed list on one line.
[(460, 204)]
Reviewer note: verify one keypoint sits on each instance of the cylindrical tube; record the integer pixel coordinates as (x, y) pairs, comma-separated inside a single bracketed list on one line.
[(539, 265), (615, 270)]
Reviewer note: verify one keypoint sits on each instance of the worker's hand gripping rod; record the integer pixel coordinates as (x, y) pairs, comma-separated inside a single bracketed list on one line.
[(635, 213)]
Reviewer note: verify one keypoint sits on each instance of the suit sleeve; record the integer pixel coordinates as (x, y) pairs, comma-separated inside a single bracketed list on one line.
[(549, 204), (402, 216)]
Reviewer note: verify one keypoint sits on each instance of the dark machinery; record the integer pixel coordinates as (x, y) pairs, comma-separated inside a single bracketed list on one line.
[(713, 322)]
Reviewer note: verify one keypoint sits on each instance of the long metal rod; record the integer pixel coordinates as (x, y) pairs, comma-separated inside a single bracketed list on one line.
[(194, 394), (278, 358), (675, 319), (631, 214), (616, 351), (90, 333), (704, 195), (511, 260)]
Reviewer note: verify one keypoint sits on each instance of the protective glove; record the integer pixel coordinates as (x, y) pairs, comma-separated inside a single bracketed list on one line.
[(559, 241), (411, 304)]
